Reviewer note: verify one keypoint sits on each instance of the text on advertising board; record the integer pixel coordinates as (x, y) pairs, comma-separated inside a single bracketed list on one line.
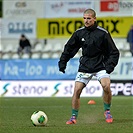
[(41, 69), (46, 88), (115, 5), (20, 27), (64, 27), (110, 5)]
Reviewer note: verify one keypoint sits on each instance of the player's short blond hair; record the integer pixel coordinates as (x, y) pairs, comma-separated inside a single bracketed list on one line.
[(90, 11)]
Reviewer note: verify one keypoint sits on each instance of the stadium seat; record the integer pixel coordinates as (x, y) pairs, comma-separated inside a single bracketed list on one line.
[(6, 56), (0, 47), (48, 48), (8, 48), (45, 55), (35, 55), (55, 55), (25, 56), (127, 54), (0, 55), (38, 47), (126, 46), (120, 45), (58, 47), (15, 56)]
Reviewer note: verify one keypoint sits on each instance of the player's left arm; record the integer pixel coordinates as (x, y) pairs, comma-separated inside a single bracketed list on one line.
[(111, 53)]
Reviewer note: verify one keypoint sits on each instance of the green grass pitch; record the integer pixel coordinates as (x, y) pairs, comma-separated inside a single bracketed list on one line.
[(15, 115)]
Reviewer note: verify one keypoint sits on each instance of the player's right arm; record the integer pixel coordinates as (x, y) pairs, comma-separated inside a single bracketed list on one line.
[(70, 49)]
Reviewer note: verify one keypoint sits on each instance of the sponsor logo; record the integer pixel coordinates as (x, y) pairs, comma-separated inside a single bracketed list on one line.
[(126, 5), (57, 28), (56, 89), (115, 5), (20, 27), (20, 4), (5, 89), (64, 27), (110, 5), (51, 89), (57, 6), (19, 8), (122, 89), (21, 89)]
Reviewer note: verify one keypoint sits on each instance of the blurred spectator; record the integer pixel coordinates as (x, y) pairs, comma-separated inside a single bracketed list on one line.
[(24, 45), (130, 39)]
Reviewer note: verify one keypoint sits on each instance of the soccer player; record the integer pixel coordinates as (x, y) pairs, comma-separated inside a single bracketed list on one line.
[(99, 58)]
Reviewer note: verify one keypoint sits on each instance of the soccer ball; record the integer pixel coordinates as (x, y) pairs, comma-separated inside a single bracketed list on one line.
[(39, 118)]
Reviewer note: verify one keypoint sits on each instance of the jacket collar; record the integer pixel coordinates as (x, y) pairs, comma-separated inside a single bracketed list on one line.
[(93, 27)]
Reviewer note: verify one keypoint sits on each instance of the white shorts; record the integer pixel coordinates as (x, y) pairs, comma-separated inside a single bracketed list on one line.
[(86, 77)]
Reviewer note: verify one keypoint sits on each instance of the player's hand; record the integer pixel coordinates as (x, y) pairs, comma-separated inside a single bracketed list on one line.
[(62, 70), (108, 71), (62, 66)]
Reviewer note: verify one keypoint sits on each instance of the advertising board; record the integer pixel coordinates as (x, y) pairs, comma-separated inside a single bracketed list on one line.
[(41, 69), (23, 9), (61, 88), (13, 28), (57, 88), (64, 27), (66, 8)]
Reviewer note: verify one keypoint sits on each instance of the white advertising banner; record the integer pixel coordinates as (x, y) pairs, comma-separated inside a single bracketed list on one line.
[(47, 89), (23, 9), (13, 28), (61, 8)]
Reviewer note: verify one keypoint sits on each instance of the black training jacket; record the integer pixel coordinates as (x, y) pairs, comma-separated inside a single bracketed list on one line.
[(98, 50)]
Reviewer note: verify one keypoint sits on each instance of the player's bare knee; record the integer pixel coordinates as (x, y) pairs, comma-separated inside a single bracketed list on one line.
[(77, 92), (106, 88)]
